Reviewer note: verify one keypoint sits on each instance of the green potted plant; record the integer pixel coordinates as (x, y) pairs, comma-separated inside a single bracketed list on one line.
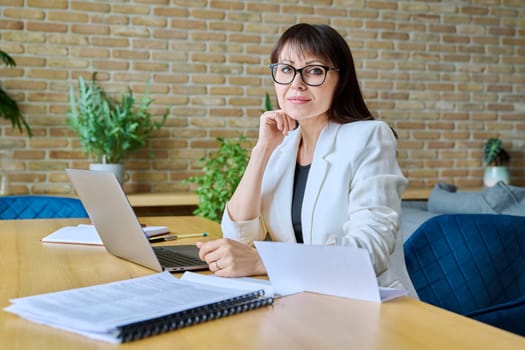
[(110, 130), (496, 160), (8, 107), (10, 111), (222, 172)]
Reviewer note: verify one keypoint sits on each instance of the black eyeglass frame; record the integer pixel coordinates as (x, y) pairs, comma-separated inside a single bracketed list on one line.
[(300, 70)]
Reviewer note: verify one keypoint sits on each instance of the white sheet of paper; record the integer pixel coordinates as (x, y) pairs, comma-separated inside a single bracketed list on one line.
[(87, 234), (74, 235), (333, 270), (247, 283)]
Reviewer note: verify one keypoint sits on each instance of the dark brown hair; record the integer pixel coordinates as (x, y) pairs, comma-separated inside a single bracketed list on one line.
[(324, 42)]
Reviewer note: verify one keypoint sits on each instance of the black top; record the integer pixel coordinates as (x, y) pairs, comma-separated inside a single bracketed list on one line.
[(299, 183)]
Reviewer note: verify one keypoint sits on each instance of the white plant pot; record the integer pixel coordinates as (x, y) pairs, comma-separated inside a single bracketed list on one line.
[(6, 165), (117, 169), (494, 174)]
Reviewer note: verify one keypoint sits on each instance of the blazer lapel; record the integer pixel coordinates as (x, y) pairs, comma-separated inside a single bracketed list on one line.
[(316, 177), (278, 187), (286, 159)]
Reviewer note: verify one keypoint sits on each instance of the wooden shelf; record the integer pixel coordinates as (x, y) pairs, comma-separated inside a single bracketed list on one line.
[(415, 194), (164, 199), (176, 202), (164, 204)]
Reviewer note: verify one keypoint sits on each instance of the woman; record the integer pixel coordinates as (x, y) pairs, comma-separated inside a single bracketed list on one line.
[(322, 170)]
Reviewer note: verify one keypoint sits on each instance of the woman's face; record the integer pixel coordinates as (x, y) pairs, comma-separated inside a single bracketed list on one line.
[(299, 100)]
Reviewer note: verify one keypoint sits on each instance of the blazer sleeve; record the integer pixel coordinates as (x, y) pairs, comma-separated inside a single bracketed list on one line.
[(375, 197), (242, 231)]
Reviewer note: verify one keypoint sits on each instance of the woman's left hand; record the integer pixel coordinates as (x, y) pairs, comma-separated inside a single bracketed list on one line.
[(230, 258)]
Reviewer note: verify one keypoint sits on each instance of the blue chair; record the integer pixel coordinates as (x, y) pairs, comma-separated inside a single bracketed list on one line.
[(472, 264), (40, 207)]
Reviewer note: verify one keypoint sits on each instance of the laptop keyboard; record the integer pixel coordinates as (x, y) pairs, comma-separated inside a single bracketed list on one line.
[(169, 258)]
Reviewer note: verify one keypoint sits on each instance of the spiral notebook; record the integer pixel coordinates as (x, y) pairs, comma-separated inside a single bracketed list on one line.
[(124, 311)]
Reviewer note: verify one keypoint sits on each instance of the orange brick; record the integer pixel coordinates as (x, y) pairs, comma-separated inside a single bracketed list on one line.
[(262, 7), (23, 13), (110, 42), (198, 57), (46, 97), (91, 6), (227, 5), (90, 52), (169, 34), (47, 74), (149, 22), (68, 16), (11, 25), (134, 9), (117, 20), (151, 67), (131, 32), (46, 27), (90, 29), (66, 39), (208, 14), (173, 12), (223, 26), (110, 65), (329, 12), (25, 37), (130, 54), (187, 24), (24, 84)]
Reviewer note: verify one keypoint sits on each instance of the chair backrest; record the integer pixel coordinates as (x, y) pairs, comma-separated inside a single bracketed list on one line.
[(466, 262), (40, 207)]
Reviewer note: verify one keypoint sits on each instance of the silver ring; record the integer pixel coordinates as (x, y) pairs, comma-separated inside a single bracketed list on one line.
[(217, 265)]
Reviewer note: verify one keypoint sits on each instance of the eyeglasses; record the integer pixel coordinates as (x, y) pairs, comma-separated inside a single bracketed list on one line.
[(312, 75)]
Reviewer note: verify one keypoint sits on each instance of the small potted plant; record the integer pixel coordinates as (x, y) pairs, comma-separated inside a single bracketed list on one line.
[(110, 130), (10, 111), (8, 107), (496, 160)]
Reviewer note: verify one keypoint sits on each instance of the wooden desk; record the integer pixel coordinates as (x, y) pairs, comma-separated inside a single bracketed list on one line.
[(301, 321)]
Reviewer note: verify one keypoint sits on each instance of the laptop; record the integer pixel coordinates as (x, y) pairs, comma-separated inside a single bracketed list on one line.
[(119, 229)]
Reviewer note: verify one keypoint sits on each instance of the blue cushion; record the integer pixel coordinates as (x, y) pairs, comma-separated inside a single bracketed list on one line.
[(499, 199), (472, 264), (508, 315), (40, 207)]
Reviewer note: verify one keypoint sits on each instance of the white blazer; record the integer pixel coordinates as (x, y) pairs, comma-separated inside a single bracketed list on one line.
[(352, 197)]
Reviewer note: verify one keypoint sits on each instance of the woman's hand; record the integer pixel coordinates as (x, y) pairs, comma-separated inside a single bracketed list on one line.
[(273, 126), (230, 258)]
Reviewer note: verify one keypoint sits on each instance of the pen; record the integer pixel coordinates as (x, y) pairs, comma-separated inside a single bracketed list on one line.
[(174, 237)]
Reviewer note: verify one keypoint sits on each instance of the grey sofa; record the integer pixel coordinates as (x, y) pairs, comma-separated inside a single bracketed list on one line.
[(445, 199)]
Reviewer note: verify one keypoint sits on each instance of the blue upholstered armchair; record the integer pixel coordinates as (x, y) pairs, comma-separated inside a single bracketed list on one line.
[(40, 207), (472, 264)]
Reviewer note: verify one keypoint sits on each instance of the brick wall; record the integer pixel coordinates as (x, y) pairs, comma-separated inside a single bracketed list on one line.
[(446, 75)]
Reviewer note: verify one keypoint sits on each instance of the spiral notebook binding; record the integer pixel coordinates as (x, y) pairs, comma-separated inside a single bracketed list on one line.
[(199, 314)]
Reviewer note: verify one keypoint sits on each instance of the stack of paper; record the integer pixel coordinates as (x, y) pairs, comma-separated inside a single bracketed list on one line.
[(140, 307)]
